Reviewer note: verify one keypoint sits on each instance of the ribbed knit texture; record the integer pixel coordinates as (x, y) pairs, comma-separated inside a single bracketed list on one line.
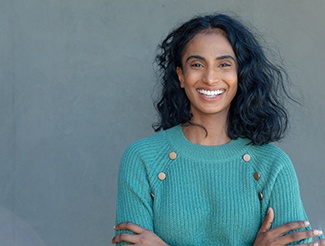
[(209, 195)]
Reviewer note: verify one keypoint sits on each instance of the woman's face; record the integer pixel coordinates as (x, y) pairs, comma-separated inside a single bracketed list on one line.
[(209, 73)]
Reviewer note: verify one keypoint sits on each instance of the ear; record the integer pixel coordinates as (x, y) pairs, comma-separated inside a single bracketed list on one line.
[(179, 72)]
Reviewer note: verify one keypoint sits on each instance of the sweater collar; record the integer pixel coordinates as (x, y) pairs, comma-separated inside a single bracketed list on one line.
[(183, 146)]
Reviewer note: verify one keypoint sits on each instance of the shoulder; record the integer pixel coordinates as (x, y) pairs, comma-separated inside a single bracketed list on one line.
[(275, 168), (146, 146), (272, 161), (148, 151), (271, 154)]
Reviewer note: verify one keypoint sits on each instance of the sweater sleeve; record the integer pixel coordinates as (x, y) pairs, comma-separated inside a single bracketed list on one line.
[(285, 198), (134, 203)]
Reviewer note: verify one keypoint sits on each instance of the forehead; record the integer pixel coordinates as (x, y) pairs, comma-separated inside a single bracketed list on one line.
[(209, 42)]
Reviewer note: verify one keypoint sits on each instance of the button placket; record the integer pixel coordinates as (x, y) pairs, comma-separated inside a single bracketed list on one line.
[(246, 157), (172, 156)]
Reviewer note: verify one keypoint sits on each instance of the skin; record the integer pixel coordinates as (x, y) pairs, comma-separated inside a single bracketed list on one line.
[(276, 237), (209, 64), (141, 235), (265, 236)]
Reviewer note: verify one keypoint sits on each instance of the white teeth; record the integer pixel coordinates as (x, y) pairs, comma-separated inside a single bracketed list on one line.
[(210, 93)]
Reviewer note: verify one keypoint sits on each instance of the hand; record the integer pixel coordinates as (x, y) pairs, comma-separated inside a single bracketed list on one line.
[(277, 236), (142, 236)]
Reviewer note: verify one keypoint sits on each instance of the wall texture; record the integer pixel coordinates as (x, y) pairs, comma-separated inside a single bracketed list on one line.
[(76, 87)]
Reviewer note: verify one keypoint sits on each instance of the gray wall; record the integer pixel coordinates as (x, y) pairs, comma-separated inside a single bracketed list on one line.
[(76, 85)]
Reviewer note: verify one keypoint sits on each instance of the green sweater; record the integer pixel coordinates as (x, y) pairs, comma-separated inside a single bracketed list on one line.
[(191, 194)]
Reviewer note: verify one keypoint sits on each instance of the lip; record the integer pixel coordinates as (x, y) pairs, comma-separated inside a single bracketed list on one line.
[(210, 94)]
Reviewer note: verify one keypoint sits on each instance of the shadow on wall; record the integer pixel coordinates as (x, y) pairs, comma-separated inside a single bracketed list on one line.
[(15, 232)]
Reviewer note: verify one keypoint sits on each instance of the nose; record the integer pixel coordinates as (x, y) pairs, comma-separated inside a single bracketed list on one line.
[(211, 76)]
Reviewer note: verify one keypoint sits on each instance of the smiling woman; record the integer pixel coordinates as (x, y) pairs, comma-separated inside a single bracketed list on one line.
[(209, 77), (211, 175)]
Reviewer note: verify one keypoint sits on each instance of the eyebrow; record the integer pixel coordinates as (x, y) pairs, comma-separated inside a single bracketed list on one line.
[(218, 58)]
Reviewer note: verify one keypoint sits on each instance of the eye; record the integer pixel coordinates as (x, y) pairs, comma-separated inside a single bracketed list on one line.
[(196, 65), (224, 64)]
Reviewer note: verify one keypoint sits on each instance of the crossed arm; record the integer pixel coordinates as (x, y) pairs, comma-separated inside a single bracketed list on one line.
[(265, 236)]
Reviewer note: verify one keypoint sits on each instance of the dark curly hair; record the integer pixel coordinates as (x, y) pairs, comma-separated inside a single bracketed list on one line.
[(257, 111)]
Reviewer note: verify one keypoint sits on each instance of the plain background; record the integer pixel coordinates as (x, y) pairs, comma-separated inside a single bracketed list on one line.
[(76, 88)]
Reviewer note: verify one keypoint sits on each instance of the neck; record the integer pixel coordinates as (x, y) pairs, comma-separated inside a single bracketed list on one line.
[(215, 134)]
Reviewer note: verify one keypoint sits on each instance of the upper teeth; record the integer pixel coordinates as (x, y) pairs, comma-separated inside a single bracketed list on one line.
[(210, 93)]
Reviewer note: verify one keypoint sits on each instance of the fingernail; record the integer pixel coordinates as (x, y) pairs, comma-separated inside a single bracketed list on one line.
[(114, 227), (317, 232), (307, 223)]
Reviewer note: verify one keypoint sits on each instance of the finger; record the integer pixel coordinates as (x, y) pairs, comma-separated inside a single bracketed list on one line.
[(124, 237), (284, 229), (129, 226), (321, 242), (316, 243), (267, 223), (297, 236)]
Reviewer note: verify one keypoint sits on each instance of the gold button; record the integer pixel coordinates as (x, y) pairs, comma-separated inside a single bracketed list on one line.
[(260, 196), (257, 176), (172, 155), (246, 157), (162, 176)]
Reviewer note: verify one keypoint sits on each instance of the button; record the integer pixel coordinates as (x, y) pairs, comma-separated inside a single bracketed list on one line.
[(260, 196), (161, 176), (257, 176), (246, 157), (172, 155)]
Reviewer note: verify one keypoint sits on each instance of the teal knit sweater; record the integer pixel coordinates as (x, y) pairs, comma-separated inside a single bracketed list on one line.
[(192, 194)]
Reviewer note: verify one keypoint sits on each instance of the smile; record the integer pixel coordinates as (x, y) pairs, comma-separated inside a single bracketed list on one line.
[(209, 93)]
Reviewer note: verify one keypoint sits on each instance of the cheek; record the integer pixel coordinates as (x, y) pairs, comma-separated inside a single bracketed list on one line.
[(191, 78), (233, 85), (232, 79)]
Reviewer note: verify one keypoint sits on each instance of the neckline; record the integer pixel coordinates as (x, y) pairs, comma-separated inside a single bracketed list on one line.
[(180, 143)]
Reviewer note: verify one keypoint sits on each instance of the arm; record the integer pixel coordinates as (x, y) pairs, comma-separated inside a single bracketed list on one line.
[(134, 203), (133, 200), (278, 236), (141, 237), (290, 224), (265, 236), (285, 198)]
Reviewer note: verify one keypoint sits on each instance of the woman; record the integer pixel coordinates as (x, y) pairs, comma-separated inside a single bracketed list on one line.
[(211, 177)]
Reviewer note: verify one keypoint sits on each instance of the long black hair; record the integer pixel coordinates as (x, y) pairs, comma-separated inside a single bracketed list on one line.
[(257, 111)]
